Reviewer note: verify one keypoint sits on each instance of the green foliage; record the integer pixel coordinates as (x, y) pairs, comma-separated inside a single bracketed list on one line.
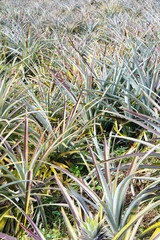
[(121, 218), (70, 73), (48, 234)]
